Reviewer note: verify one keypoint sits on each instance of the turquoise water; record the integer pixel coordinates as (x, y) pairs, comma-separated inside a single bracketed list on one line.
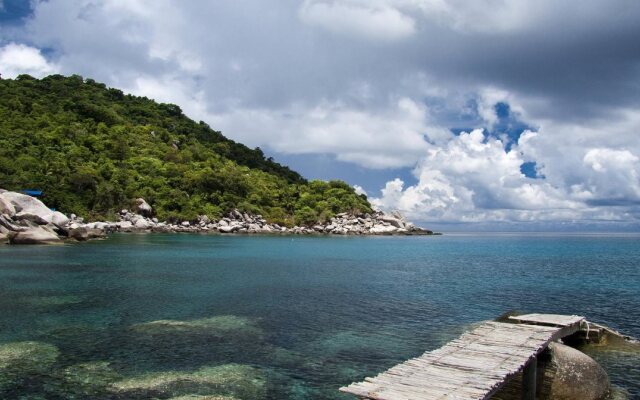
[(159, 316)]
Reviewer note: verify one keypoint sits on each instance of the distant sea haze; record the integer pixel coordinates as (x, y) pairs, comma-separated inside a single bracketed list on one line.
[(288, 317)]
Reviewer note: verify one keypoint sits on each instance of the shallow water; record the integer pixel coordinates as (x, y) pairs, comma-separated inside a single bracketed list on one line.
[(162, 316)]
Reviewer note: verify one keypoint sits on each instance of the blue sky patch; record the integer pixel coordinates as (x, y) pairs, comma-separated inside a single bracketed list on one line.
[(13, 11), (530, 170), (508, 126)]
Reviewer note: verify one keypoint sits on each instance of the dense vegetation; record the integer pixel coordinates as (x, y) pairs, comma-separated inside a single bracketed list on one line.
[(94, 149)]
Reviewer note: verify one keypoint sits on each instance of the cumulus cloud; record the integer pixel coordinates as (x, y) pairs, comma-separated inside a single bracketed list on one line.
[(173, 89), (359, 190), (16, 59), (614, 178), (597, 163), (474, 177), (487, 99)]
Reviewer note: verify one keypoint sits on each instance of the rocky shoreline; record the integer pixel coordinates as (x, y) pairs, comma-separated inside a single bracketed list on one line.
[(27, 220)]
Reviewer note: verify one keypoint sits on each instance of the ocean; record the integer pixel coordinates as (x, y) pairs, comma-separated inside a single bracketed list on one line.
[(139, 316)]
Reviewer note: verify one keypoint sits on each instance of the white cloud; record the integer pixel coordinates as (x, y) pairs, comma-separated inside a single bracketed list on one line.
[(480, 15), (16, 59), (172, 89), (597, 163), (489, 96), (398, 18), (614, 175), (371, 19), (389, 139), (359, 190), (471, 178), (474, 178)]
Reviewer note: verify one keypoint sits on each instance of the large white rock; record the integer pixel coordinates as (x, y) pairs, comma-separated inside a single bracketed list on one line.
[(35, 218), (564, 373), (229, 229), (59, 219), (6, 207), (143, 207), (253, 228), (37, 235), (392, 220), (28, 204), (142, 224), (101, 225), (381, 229), (124, 225), (398, 215), (575, 375)]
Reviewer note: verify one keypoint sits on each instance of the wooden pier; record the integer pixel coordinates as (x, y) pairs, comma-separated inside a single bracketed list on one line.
[(474, 366)]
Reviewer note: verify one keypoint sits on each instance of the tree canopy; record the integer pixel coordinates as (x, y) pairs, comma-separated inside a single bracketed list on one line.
[(93, 150)]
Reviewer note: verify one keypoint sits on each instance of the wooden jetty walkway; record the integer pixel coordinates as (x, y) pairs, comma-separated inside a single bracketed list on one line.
[(474, 366)]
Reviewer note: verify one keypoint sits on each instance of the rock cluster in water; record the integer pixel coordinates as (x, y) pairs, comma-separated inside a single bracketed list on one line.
[(377, 223), (26, 220)]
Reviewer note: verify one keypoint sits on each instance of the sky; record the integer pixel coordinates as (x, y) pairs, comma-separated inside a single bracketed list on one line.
[(464, 115)]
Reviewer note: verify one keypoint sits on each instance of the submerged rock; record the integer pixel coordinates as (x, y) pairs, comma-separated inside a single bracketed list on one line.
[(236, 380), (20, 360), (89, 379), (218, 325), (53, 301)]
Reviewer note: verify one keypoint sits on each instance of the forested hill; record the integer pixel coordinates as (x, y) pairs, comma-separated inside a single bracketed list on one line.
[(93, 149)]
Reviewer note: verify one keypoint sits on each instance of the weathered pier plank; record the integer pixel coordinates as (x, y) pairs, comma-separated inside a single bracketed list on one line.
[(474, 366)]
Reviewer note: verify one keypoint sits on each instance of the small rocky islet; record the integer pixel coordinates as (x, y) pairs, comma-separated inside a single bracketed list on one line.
[(27, 220)]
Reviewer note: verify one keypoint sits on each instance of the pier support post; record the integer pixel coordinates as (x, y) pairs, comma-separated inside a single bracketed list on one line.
[(529, 380)]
